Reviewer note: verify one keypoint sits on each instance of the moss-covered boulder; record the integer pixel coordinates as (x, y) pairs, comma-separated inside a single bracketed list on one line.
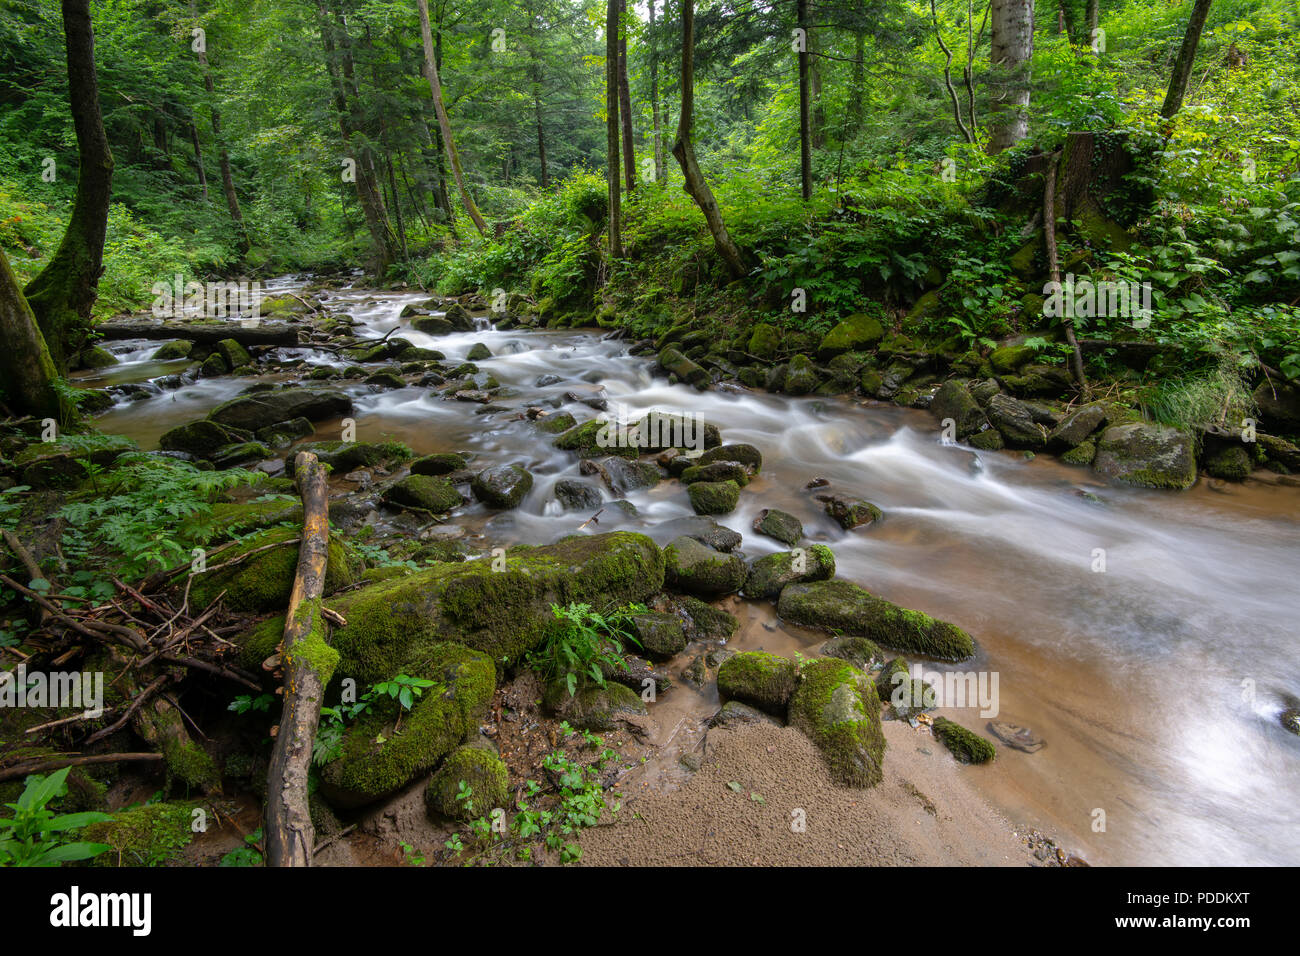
[(717, 471), (230, 519), (479, 769), (502, 613), (1279, 405), (592, 440), (236, 355), (1229, 462), (1010, 358), (502, 486), (863, 653), (762, 680), (153, 834), (440, 464), (801, 376), (386, 748), (436, 495), (675, 363), (1081, 454), (178, 349), (847, 608), (747, 455), (707, 623), (836, 706), (593, 707), (622, 475), (1015, 420), (345, 456), (1147, 456), (213, 366), (262, 581), (714, 497), (202, 439), (478, 351), (855, 334), (849, 512), (769, 574), (695, 568), (764, 341), (781, 525), (1077, 426), (966, 745), (954, 401), (660, 635), (251, 412)]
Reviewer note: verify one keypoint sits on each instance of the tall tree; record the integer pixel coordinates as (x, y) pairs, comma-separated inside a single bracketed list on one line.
[(611, 126), (652, 36), (625, 103), (200, 46), (1182, 71), (29, 373), (64, 292), (1012, 50), (805, 119), (684, 149), (444, 124)]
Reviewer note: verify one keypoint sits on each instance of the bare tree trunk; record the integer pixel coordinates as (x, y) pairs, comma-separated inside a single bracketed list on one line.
[(654, 96), (28, 370), (625, 105), (64, 292), (859, 86), (198, 161), (309, 662), (805, 133), (611, 127), (1054, 267), (1182, 71), (444, 124), (696, 186), (1012, 49), (947, 75), (223, 155)]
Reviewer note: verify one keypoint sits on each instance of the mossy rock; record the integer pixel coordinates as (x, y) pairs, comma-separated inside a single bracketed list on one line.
[(716, 471), (502, 613), (386, 748), (556, 423), (435, 495), (764, 341), (801, 376), (856, 333), (966, 745), (859, 651), (593, 707), (707, 622), (1231, 463), (697, 569), (1009, 358), (235, 355), (385, 379), (781, 525), (850, 513), (230, 519), (1147, 456), (990, 439), (502, 486), (479, 769), (1081, 454), (836, 706), (96, 357), (714, 497), (675, 363), (263, 581), (762, 680), (440, 464), (890, 676), (847, 608), (747, 455), (771, 573), (661, 636), (478, 351), (178, 349), (251, 412), (591, 440), (213, 366), (202, 439), (954, 400), (155, 834)]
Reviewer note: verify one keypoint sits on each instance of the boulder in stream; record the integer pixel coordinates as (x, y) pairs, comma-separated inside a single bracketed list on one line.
[(714, 497), (762, 680), (1146, 455), (836, 705), (435, 495), (771, 573), (778, 524), (255, 410), (502, 486), (694, 568)]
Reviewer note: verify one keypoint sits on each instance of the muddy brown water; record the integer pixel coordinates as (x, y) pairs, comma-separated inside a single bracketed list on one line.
[(1155, 683)]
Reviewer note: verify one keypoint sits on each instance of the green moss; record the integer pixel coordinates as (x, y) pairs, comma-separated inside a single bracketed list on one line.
[(584, 439), (714, 497), (967, 746), (764, 341), (1232, 463), (312, 648), (230, 519), (698, 569), (593, 707), (264, 580), (845, 607), (837, 707), (855, 333), (387, 748), (769, 574), (155, 834), (763, 680), (435, 495), (1081, 454), (441, 464), (479, 769)]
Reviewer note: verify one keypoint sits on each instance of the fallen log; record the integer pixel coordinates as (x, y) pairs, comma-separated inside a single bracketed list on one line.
[(308, 663), (18, 771), (203, 333)]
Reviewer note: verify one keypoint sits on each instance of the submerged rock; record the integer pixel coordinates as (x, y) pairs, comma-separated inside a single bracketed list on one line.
[(845, 607), (848, 512), (502, 486), (781, 525), (253, 411)]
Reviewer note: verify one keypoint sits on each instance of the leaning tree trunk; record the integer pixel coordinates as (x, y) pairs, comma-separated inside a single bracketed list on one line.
[(1012, 49), (1182, 72), (62, 295), (444, 124), (805, 132), (625, 106), (308, 664), (29, 374), (611, 128), (696, 186)]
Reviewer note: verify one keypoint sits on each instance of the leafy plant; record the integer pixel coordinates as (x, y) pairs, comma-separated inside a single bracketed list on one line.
[(582, 643), (34, 835), (248, 855)]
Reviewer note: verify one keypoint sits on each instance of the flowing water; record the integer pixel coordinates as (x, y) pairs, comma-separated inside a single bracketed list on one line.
[(1156, 682)]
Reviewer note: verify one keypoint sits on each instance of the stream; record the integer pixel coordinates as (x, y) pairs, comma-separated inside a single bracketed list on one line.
[(1156, 684)]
